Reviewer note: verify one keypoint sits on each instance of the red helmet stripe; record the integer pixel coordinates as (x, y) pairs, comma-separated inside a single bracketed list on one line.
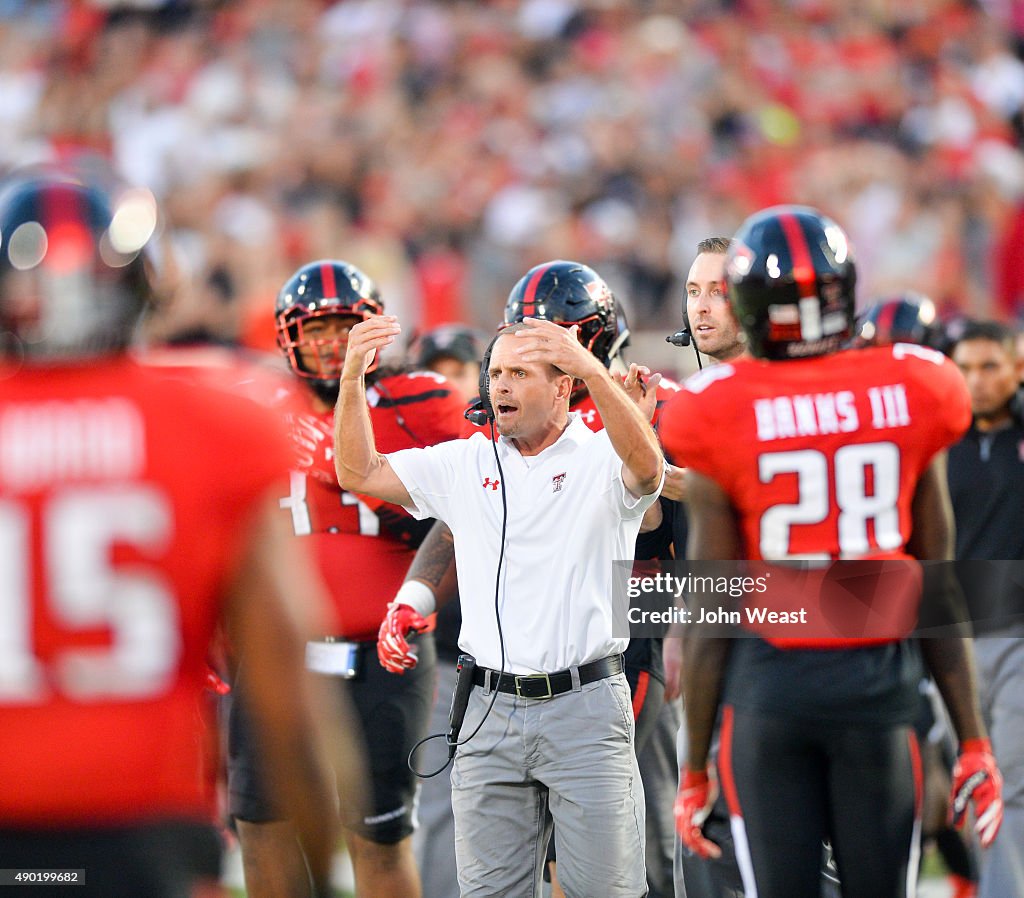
[(327, 281), (886, 320), (800, 252), (70, 242), (530, 293)]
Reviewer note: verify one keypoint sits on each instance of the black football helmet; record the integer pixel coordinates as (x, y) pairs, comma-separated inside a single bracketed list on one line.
[(569, 293), (317, 290), (906, 318), (791, 280), (73, 278)]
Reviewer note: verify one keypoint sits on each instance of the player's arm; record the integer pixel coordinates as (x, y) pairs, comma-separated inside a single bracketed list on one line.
[(714, 535), (358, 464), (430, 583), (434, 564), (950, 658), (267, 622)]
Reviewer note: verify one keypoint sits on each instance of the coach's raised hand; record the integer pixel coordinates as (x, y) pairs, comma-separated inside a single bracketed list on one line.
[(365, 340), (550, 343)]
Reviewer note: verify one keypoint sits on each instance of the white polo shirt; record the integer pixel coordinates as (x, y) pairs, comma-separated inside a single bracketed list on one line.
[(569, 517)]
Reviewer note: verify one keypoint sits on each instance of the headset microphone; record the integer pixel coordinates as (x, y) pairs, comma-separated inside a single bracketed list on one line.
[(683, 337), (476, 414)]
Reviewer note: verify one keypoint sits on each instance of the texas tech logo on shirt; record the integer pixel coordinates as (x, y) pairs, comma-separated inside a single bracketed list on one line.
[(557, 481)]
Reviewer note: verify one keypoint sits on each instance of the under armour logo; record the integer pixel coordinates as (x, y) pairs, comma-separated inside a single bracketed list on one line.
[(493, 484), (557, 481)]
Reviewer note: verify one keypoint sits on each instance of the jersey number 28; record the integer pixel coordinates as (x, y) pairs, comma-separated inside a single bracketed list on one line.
[(857, 504)]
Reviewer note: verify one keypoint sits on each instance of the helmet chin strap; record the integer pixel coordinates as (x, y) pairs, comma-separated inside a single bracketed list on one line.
[(615, 350)]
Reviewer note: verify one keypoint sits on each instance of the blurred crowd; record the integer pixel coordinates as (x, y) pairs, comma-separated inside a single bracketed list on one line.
[(445, 146)]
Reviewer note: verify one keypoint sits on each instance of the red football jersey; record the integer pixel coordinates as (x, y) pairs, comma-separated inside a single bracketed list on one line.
[(124, 497), (820, 457), (361, 542), (258, 376)]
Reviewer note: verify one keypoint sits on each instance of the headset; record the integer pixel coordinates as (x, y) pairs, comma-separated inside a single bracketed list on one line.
[(480, 413), (683, 337)]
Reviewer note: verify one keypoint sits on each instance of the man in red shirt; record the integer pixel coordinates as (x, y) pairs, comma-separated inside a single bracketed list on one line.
[(831, 455), (124, 541), (363, 547)]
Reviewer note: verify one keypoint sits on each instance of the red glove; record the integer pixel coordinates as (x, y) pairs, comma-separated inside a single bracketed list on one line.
[(393, 651), (697, 793), (977, 781), (215, 684)]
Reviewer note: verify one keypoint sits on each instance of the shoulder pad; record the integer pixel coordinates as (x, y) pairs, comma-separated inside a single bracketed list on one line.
[(699, 382), (667, 385), (906, 350), (409, 382)]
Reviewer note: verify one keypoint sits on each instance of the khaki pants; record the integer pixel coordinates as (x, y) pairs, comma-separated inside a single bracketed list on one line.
[(569, 759)]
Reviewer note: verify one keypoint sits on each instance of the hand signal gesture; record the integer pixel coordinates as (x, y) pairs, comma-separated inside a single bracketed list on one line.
[(365, 340)]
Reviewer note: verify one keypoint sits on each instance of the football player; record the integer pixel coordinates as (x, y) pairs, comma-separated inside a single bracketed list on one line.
[(123, 542), (833, 455), (908, 317), (363, 548)]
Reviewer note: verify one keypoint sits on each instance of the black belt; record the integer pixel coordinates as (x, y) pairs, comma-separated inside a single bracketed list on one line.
[(547, 685)]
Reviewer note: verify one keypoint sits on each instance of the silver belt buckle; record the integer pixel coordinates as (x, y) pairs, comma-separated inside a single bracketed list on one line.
[(337, 659)]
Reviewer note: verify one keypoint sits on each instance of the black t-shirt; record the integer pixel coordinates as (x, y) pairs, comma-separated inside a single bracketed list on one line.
[(986, 484)]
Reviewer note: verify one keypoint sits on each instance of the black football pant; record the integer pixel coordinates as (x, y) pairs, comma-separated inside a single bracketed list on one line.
[(791, 784)]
